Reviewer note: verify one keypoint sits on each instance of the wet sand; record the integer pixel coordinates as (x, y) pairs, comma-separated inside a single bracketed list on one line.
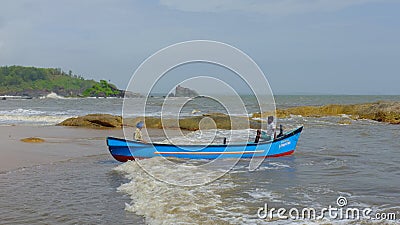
[(61, 143)]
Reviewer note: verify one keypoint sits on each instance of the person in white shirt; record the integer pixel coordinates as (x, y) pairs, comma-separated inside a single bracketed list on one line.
[(271, 127), (138, 131), (270, 134)]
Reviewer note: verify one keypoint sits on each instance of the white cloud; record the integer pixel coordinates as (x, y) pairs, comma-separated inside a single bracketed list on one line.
[(272, 7)]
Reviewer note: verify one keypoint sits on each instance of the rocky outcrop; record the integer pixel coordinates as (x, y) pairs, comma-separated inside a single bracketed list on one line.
[(27, 93), (185, 92), (221, 121), (217, 120), (94, 121), (388, 112), (32, 140), (205, 121)]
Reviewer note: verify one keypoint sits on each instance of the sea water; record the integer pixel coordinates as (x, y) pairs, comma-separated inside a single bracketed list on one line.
[(49, 111), (359, 161)]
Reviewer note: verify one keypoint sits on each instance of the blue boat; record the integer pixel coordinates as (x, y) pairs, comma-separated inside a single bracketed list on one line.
[(124, 150)]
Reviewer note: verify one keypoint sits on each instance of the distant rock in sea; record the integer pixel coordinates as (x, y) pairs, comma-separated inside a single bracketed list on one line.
[(185, 92)]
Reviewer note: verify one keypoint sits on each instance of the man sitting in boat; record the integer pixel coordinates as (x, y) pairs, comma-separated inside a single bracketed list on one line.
[(138, 131), (270, 134)]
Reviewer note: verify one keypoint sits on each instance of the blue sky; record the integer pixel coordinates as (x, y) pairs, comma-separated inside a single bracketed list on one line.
[(303, 46)]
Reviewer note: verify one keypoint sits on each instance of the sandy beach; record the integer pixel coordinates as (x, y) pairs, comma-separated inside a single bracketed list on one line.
[(60, 143)]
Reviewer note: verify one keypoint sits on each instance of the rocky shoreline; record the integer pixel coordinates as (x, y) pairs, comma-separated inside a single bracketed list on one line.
[(382, 111), (222, 121), (387, 112)]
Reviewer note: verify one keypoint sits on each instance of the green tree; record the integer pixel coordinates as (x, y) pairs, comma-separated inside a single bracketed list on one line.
[(16, 79)]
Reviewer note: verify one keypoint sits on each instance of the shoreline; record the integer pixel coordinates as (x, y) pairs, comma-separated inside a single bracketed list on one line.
[(67, 142), (60, 144), (383, 111)]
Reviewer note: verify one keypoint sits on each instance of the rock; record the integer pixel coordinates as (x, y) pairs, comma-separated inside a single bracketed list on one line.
[(222, 121), (344, 121), (388, 112), (185, 92), (32, 140), (94, 121), (129, 94), (195, 111)]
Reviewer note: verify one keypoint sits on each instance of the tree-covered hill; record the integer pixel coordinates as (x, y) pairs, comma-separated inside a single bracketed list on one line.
[(35, 82)]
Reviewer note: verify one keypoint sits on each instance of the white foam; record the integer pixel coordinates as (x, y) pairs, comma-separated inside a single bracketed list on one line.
[(265, 194), (21, 112), (37, 120), (53, 96), (32, 116), (272, 166), (11, 96), (161, 203)]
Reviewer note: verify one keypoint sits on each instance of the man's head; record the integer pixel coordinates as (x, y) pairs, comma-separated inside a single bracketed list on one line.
[(140, 125), (270, 119)]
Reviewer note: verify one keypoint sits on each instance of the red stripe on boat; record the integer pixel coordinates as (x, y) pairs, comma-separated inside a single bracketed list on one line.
[(279, 155), (123, 158)]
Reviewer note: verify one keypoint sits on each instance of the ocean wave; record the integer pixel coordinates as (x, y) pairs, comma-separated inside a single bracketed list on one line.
[(29, 112), (21, 112), (32, 116), (53, 96), (273, 166), (265, 194), (162, 203), (34, 120), (224, 201)]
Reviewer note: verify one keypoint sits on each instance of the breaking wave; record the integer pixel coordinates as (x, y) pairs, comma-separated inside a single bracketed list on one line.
[(161, 203), (33, 117)]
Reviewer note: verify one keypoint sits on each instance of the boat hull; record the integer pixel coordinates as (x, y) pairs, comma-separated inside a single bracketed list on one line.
[(124, 150)]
